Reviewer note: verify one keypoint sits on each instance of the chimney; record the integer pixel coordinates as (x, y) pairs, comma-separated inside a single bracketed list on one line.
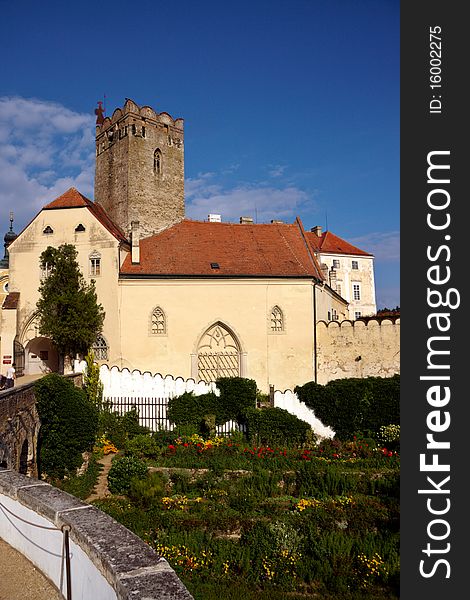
[(276, 221), (135, 242), (316, 230), (213, 218), (246, 220)]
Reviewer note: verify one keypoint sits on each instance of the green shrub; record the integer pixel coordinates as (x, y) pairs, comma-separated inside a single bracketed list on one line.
[(237, 395), (69, 424), (119, 429), (91, 381), (190, 410), (122, 471), (201, 413), (354, 405), (142, 445), (275, 426), (149, 491)]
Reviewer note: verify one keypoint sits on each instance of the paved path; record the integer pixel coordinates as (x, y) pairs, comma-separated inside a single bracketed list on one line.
[(21, 580)]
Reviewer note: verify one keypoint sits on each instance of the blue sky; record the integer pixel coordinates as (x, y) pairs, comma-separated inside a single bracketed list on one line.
[(290, 107)]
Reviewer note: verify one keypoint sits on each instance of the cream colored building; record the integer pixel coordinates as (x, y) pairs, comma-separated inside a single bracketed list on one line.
[(186, 298), (348, 269)]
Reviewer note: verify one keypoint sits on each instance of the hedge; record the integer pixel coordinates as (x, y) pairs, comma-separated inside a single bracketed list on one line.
[(353, 405), (237, 396), (276, 427)]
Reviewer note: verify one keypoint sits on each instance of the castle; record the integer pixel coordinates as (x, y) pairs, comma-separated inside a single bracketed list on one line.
[(190, 298)]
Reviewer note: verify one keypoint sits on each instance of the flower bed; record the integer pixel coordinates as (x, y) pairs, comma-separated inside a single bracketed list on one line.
[(320, 521)]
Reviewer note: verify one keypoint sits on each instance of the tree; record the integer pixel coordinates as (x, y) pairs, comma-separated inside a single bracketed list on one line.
[(69, 423), (68, 310), (91, 381)]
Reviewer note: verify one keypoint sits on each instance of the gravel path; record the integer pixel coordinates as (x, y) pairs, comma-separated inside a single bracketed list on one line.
[(21, 580), (101, 488)]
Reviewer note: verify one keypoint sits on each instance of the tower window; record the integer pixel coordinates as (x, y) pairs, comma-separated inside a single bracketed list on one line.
[(143, 131), (356, 291), (157, 162), (336, 264), (354, 264), (133, 130)]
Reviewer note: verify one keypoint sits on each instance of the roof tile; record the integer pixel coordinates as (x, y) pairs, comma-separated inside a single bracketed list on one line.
[(189, 248), (72, 198), (329, 243)]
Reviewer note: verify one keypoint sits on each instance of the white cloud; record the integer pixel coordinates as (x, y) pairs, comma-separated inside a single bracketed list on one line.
[(262, 202), (277, 170), (385, 246), (45, 148)]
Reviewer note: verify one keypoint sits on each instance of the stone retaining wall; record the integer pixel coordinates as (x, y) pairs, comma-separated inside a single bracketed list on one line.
[(108, 562)]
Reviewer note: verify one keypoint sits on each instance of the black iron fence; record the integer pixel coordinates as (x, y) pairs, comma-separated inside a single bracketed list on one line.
[(153, 413)]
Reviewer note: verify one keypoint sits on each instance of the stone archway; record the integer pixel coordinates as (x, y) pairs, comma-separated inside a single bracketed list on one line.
[(40, 356), (23, 465)]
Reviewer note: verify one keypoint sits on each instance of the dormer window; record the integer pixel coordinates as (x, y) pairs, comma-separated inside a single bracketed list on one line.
[(48, 230), (79, 228)]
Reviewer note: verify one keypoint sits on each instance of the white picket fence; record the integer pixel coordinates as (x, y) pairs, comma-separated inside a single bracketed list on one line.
[(149, 394)]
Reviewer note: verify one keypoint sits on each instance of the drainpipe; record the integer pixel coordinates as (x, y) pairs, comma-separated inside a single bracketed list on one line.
[(314, 333)]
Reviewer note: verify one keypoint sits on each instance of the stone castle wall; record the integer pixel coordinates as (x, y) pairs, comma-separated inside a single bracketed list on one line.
[(363, 348), (140, 168)]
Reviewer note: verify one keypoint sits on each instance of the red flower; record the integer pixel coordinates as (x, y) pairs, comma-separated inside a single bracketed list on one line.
[(171, 447), (185, 444), (385, 451)]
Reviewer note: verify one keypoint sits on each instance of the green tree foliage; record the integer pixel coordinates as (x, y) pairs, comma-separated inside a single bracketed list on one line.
[(69, 423), (91, 381), (68, 310)]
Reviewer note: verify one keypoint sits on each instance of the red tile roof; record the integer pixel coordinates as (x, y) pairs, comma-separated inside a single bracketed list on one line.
[(73, 199), (190, 247), (329, 243)]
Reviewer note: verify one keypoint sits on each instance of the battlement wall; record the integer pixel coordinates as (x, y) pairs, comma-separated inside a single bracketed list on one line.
[(363, 348)]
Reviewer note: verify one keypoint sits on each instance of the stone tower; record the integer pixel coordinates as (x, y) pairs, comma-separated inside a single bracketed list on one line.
[(140, 167)]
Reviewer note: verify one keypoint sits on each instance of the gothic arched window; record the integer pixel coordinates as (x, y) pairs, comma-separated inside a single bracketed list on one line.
[(100, 348), (157, 162), (218, 354), (277, 319), (158, 322)]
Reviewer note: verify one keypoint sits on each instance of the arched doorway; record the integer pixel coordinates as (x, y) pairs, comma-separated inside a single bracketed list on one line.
[(218, 354), (23, 466), (41, 356)]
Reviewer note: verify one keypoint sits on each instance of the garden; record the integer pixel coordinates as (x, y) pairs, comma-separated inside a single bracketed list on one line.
[(268, 513)]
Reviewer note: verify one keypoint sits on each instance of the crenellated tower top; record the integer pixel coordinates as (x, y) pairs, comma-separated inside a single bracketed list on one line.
[(140, 167)]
